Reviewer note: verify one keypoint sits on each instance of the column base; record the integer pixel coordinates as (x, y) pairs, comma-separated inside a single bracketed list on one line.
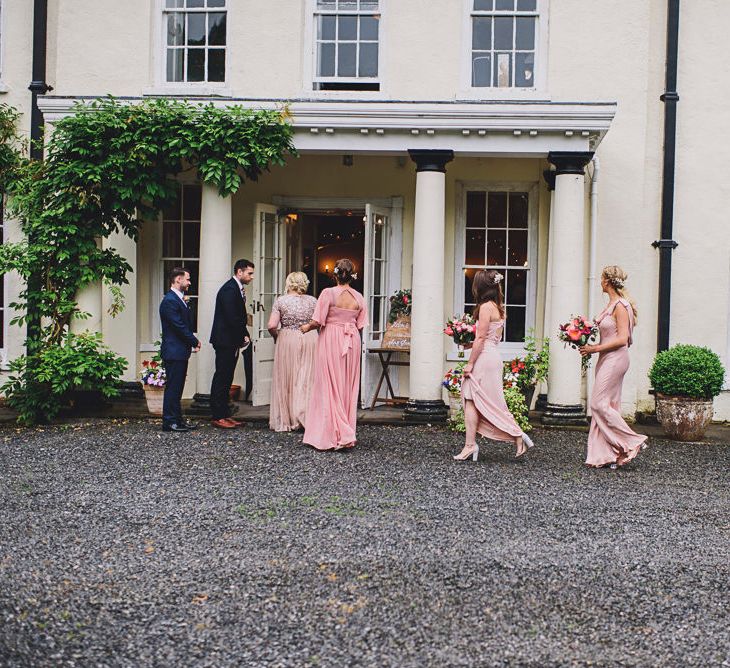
[(556, 415), (200, 405), (422, 410)]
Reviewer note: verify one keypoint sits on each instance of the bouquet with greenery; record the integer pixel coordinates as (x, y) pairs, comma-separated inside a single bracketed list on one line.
[(400, 304)]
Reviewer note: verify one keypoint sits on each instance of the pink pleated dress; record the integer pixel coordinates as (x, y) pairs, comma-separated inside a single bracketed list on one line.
[(332, 412), (611, 440), (293, 375), (484, 387)]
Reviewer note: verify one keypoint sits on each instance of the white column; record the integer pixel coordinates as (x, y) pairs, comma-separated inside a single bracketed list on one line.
[(567, 285), (120, 333), (550, 180), (215, 269), (427, 313), (89, 301)]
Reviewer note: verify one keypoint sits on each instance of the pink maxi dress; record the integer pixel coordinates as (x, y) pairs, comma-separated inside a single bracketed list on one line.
[(332, 412), (294, 354), (484, 387), (611, 440)]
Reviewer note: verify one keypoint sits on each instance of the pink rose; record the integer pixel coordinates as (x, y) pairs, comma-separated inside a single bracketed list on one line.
[(574, 334), (449, 331)]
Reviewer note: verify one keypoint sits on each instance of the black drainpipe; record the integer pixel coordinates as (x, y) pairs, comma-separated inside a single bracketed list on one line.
[(38, 86), (666, 244)]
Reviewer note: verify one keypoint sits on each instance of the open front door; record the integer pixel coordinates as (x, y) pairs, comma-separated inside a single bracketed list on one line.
[(377, 249), (269, 246)]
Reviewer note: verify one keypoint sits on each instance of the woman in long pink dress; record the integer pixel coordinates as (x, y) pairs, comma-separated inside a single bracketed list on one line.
[(340, 315), (611, 442), (293, 375), (485, 409)]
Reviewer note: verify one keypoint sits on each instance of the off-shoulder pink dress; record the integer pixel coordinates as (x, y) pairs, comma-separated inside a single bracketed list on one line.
[(332, 412), (484, 387), (293, 374), (611, 440)]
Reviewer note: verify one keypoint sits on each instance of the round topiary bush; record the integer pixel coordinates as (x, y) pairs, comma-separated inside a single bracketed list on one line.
[(687, 371)]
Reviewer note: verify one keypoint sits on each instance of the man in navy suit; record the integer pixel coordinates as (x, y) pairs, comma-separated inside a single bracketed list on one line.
[(178, 341), (228, 335)]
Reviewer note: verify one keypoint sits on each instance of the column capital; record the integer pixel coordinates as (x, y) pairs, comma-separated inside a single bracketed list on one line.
[(428, 160), (549, 176), (569, 162)]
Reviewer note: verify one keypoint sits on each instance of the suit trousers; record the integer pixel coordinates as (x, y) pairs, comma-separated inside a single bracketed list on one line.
[(176, 371), (225, 364)]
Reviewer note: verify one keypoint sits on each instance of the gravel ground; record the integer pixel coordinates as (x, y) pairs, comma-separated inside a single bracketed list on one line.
[(123, 546)]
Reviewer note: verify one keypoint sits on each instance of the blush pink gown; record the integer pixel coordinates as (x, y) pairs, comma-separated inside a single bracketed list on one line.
[(332, 412), (611, 440), (485, 388), (294, 354)]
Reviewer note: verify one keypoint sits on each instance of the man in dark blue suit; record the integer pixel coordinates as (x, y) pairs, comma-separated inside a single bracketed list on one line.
[(178, 341), (228, 335)]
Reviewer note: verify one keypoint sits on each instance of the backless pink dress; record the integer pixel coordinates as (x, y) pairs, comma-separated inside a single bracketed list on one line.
[(332, 412), (484, 387), (611, 440)]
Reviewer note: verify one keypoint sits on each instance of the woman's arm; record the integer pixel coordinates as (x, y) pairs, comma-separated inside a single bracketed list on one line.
[(485, 317), (621, 315), (308, 327), (274, 320)]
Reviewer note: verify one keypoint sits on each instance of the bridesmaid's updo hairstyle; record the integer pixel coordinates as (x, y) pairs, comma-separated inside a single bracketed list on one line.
[(616, 278), (487, 287), (297, 281), (344, 271)]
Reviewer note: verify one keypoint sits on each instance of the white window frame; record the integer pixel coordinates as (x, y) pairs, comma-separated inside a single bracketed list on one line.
[(309, 75), (161, 85), (538, 91), (508, 350)]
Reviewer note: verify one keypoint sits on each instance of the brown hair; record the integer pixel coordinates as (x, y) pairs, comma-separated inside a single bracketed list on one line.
[(174, 273), (344, 270), (616, 277), (487, 287)]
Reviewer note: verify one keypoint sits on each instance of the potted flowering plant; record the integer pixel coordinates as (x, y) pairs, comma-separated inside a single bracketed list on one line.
[(452, 382), (398, 332), (153, 378), (524, 373)]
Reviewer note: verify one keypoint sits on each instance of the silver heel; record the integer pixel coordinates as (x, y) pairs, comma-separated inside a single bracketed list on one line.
[(527, 440), (475, 454)]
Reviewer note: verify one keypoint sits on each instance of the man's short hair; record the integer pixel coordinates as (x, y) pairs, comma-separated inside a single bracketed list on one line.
[(177, 271), (242, 265)]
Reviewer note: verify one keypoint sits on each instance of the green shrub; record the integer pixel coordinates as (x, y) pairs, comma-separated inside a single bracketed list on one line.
[(687, 371)]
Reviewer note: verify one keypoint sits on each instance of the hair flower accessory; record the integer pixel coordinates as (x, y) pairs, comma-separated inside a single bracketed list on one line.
[(336, 270), (498, 278), (354, 276)]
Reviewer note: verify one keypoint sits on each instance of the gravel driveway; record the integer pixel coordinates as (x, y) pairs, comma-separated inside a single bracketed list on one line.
[(123, 546)]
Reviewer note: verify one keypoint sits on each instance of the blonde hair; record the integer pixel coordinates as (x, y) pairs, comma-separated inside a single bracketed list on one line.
[(297, 281), (616, 277)]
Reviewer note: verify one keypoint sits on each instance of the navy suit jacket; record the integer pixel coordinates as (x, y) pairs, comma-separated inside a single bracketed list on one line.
[(229, 322), (178, 339)]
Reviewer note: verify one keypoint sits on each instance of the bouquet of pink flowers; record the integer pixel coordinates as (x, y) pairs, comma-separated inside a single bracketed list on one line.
[(577, 332), (462, 329)]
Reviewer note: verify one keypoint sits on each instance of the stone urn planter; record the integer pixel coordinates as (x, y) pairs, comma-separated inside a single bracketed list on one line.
[(683, 418), (154, 395), (454, 404)]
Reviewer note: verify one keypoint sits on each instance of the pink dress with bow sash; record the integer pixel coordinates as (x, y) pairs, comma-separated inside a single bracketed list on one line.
[(611, 440), (332, 412)]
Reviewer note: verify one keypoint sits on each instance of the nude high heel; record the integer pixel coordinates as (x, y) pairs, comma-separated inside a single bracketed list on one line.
[(474, 454)]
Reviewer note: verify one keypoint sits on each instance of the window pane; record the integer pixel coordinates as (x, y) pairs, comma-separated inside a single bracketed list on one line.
[(475, 247), (497, 210), (325, 4), (347, 5), (167, 267), (368, 4), (173, 211), (216, 3), (526, 5), (326, 64), (192, 267), (516, 287), (347, 27), (378, 231), (174, 4), (194, 3), (196, 64), (503, 70), (468, 281), (176, 29), (196, 29), (476, 208), (517, 248), (171, 242), (507, 5), (496, 247), (217, 29), (376, 318), (346, 60), (503, 26), (481, 38), (192, 196), (525, 33), (217, 65), (175, 64), (524, 69), (483, 5), (368, 28), (378, 277), (481, 69), (518, 207), (191, 240), (515, 328), (368, 66), (326, 27)]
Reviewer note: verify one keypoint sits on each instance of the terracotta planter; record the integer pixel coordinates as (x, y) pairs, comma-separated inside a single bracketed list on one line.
[(683, 418), (398, 334), (154, 395)]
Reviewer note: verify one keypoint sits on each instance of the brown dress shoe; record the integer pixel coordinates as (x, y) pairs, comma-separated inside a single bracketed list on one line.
[(223, 423)]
